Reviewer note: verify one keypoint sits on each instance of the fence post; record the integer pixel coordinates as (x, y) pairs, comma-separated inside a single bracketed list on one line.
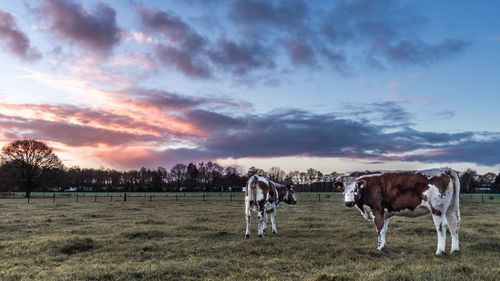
[(76, 197), (111, 198), (231, 197), (95, 197), (150, 198), (482, 198), (29, 199), (319, 197), (54, 198), (176, 197), (125, 198), (203, 196)]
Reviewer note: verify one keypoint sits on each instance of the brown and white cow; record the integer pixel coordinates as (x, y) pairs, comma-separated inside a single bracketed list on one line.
[(411, 194), (264, 196)]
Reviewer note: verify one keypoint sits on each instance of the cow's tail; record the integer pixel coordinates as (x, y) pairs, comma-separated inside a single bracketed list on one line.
[(456, 192), (249, 191)]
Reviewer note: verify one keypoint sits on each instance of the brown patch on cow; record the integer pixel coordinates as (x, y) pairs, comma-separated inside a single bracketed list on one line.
[(261, 204), (379, 219), (435, 211), (398, 191), (394, 191), (441, 182)]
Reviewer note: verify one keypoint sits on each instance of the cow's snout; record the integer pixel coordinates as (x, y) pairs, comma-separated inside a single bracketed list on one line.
[(349, 204)]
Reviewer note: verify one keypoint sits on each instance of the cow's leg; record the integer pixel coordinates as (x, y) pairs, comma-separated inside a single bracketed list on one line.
[(273, 221), (453, 222), (381, 226), (440, 222), (248, 218), (261, 223), (264, 225), (381, 236)]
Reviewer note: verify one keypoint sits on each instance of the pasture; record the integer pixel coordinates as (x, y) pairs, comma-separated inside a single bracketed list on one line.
[(192, 239)]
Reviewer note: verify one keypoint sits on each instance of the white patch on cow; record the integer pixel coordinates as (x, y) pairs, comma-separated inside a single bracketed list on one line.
[(381, 236), (366, 212), (437, 200), (248, 216), (430, 173), (262, 179), (259, 195), (440, 202), (350, 189)]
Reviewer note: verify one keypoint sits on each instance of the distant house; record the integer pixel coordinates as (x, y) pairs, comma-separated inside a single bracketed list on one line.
[(71, 189), (483, 189)]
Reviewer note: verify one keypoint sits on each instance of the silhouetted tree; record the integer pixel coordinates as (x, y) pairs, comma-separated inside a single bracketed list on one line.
[(487, 179), (276, 174), (31, 163), (178, 174), (255, 171), (468, 181), (192, 175), (232, 178), (214, 172), (496, 184)]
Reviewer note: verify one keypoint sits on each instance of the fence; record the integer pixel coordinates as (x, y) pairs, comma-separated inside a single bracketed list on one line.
[(480, 197), (190, 196), (153, 196)]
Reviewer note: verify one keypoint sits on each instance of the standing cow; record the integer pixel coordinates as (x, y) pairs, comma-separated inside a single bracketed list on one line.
[(264, 196), (411, 194)]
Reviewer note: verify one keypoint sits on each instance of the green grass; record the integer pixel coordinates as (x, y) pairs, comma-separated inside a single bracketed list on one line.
[(191, 239)]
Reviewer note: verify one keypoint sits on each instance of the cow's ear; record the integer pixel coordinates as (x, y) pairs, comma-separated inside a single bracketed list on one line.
[(362, 183), (339, 184)]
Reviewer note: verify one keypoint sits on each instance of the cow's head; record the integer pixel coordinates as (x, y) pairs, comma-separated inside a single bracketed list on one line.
[(352, 188), (289, 197)]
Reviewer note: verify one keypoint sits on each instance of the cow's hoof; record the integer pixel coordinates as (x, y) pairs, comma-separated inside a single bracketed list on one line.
[(261, 236), (380, 248), (454, 252), (275, 232), (440, 253), (247, 236), (265, 230)]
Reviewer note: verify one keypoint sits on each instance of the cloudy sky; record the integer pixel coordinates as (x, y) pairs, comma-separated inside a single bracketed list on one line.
[(332, 85)]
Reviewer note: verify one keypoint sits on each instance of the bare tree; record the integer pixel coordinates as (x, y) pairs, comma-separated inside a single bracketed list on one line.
[(31, 163), (179, 174), (192, 175), (487, 179), (468, 180), (255, 171), (496, 184), (276, 174)]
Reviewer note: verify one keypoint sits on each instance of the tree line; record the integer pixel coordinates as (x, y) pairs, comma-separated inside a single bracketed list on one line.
[(31, 165)]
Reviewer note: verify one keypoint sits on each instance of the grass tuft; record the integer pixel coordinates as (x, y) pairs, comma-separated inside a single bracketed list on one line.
[(75, 245), (144, 234)]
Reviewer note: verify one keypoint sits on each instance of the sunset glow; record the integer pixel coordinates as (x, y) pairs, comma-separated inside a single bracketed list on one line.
[(334, 86)]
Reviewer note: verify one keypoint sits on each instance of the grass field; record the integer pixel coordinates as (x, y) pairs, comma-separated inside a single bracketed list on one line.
[(191, 239)]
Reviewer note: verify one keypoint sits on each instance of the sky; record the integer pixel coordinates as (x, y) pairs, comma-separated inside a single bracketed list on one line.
[(330, 85)]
